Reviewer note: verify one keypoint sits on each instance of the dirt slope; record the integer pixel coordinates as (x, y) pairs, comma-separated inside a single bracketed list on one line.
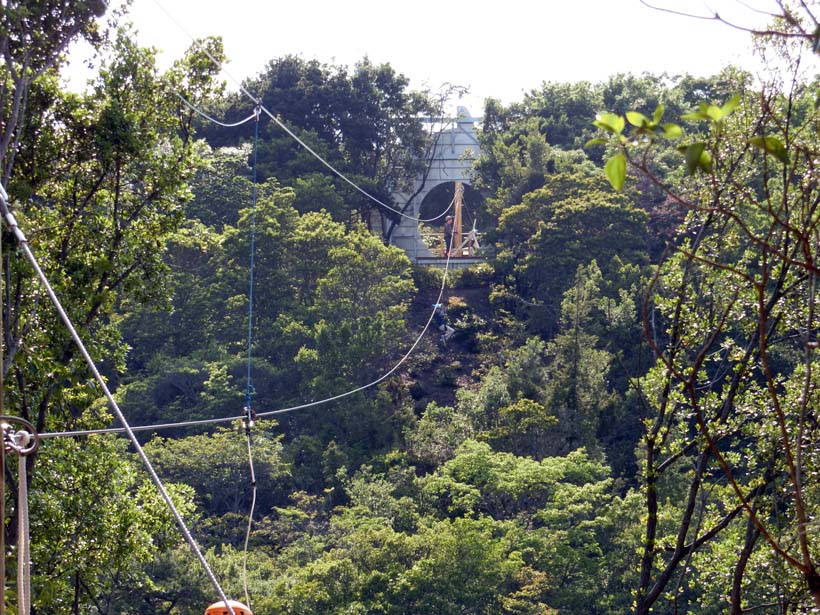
[(436, 372)]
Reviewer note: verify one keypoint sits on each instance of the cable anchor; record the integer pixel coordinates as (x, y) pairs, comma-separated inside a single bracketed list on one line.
[(248, 419), (23, 442)]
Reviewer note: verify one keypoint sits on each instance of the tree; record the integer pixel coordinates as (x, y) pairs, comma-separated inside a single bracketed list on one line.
[(437, 434), (95, 521), (221, 187), (330, 302), (518, 160), (364, 122), (217, 467), (32, 41), (566, 223), (507, 410), (559, 507), (732, 320), (120, 160), (557, 109), (470, 566), (359, 311), (97, 182), (578, 389)]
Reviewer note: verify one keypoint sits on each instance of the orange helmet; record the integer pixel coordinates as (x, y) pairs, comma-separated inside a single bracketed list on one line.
[(219, 608)]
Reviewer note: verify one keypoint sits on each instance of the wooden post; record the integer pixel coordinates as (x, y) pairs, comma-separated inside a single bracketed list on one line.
[(457, 203)]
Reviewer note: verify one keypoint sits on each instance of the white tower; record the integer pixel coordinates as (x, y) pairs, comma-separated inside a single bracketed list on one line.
[(451, 161)]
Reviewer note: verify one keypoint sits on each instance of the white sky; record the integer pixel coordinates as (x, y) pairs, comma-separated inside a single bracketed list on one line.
[(499, 48)]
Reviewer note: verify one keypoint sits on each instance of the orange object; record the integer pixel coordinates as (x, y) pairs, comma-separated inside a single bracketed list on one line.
[(219, 608)]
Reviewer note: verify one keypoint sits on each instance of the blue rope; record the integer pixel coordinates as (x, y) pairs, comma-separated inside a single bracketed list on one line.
[(249, 388)]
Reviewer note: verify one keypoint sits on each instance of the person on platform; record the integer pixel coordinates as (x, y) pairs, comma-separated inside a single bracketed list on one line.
[(448, 234)]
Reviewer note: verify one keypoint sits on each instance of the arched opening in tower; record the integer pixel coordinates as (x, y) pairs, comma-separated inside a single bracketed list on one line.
[(439, 203)]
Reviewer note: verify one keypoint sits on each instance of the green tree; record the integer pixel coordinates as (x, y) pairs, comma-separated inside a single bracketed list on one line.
[(329, 304), (559, 503), (97, 222), (555, 107), (221, 187), (566, 223), (578, 389), (97, 182), (359, 310), (470, 566), (519, 161), (364, 122), (33, 39), (217, 467), (733, 325), (96, 520), (367, 565), (437, 434), (508, 408)]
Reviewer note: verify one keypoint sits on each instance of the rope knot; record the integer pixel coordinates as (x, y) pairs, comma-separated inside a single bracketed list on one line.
[(249, 419)]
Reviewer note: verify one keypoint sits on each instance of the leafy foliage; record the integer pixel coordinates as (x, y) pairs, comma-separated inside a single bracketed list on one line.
[(737, 306), (362, 122), (547, 461)]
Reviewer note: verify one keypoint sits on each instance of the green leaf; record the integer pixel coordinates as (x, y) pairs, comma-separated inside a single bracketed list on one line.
[(615, 170), (610, 122), (656, 118), (730, 105), (771, 145), (705, 111), (695, 116), (672, 131), (714, 113), (694, 157), (591, 142), (637, 119)]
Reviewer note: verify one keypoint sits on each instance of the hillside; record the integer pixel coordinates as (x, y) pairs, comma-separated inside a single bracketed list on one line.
[(436, 372), (624, 421)]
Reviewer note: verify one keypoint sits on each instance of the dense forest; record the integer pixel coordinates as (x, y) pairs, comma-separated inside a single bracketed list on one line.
[(624, 421)]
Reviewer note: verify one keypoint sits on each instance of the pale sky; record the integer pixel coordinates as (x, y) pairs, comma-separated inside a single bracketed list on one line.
[(498, 48)]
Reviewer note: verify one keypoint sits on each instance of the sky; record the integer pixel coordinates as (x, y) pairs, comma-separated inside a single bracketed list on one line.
[(500, 48)]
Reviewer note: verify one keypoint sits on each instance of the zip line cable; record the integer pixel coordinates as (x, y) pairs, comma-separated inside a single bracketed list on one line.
[(23, 242), (200, 112), (255, 114), (250, 521), (341, 175), (287, 130)]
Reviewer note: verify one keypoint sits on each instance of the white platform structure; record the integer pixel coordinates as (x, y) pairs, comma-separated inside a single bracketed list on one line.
[(451, 161)]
